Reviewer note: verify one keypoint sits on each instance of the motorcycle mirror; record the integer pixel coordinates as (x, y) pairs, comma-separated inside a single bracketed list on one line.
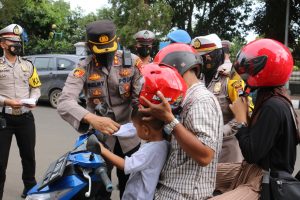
[(92, 145)]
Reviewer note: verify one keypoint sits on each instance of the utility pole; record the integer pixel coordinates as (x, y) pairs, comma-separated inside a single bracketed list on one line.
[(286, 33)]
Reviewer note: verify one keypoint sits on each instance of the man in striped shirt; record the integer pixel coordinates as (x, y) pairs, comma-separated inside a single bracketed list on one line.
[(190, 170)]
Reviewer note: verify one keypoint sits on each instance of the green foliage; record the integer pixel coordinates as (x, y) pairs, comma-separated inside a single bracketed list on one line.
[(270, 20), (296, 68), (43, 46), (237, 44), (132, 16), (9, 10), (225, 18)]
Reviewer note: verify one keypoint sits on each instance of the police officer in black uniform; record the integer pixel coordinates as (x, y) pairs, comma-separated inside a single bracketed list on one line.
[(19, 91)]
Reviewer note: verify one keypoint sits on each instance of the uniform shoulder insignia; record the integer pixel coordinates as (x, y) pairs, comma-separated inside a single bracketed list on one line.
[(27, 60), (138, 63), (34, 80), (78, 72)]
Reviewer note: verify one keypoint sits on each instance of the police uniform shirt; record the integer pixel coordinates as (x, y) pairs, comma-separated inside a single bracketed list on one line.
[(18, 80), (116, 86)]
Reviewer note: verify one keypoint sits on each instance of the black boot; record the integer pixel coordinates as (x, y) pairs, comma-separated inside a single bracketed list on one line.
[(24, 193)]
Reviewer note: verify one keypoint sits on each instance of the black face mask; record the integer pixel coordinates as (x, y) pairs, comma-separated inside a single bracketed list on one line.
[(15, 49), (143, 51), (105, 59), (217, 59)]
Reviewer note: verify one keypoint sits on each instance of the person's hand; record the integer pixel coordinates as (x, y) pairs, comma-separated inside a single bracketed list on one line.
[(240, 109), (14, 103), (160, 111), (103, 124), (102, 147)]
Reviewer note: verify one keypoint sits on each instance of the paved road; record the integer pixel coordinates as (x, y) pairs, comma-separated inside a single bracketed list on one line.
[(54, 138)]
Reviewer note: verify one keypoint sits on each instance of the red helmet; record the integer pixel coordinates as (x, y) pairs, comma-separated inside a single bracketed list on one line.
[(264, 63), (164, 79), (181, 56)]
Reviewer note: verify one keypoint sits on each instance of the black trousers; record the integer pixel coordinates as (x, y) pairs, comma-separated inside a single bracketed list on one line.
[(24, 129), (102, 194)]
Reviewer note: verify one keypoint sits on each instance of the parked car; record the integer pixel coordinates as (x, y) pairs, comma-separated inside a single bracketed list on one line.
[(53, 70)]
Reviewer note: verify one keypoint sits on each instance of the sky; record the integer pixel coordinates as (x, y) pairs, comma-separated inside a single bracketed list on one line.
[(88, 5)]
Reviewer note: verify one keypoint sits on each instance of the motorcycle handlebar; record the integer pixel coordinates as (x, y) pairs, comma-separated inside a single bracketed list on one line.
[(101, 171)]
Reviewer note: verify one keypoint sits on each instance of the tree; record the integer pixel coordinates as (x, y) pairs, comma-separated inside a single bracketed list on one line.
[(183, 13), (131, 16), (270, 21), (8, 10), (228, 19)]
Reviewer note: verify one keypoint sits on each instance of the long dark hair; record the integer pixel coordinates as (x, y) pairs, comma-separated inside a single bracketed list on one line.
[(263, 94)]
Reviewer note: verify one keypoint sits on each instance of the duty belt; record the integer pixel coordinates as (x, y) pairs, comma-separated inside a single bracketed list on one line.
[(15, 111)]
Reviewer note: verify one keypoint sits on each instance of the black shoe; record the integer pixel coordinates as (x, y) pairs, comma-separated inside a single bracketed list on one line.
[(24, 193)]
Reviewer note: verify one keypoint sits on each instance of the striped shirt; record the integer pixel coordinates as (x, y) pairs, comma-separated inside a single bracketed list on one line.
[(182, 177)]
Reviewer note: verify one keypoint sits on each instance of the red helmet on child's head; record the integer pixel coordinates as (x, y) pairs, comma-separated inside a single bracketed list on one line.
[(164, 79), (264, 63), (180, 56)]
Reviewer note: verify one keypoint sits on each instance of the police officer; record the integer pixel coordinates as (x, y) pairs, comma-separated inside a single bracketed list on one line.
[(224, 88), (111, 81), (144, 40), (19, 81), (226, 67)]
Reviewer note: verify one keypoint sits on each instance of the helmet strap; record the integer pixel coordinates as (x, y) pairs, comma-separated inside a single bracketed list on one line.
[(246, 92)]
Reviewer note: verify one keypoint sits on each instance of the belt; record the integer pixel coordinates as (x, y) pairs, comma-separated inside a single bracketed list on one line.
[(14, 111)]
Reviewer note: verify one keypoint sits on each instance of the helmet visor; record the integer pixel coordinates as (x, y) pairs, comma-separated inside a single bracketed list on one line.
[(249, 67)]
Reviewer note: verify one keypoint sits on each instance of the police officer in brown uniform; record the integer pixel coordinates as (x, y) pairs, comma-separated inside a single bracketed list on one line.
[(18, 81), (226, 90), (111, 81), (144, 40)]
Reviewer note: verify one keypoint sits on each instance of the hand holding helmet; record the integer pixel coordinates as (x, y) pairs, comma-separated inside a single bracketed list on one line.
[(162, 92)]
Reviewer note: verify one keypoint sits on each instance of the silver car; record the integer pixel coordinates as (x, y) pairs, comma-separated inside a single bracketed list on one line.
[(53, 70)]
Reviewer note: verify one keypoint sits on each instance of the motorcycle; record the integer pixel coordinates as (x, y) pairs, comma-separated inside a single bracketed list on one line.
[(78, 174)]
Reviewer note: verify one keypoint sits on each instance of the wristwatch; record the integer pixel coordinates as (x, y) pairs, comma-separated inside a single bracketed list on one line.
[(168, 128), (241, 125)]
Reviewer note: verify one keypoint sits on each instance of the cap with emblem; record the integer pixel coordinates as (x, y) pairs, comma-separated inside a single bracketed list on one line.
[(11, 32), (206, 44), (101, 36), (144, 37), (226, 44)]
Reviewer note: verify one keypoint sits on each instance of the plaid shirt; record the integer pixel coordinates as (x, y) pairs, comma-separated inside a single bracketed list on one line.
[(182, 177)]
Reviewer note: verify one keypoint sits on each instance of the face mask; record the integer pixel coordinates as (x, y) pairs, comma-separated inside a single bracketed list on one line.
[(143, 51), (15, 49), (105, 59), (211, 65)]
